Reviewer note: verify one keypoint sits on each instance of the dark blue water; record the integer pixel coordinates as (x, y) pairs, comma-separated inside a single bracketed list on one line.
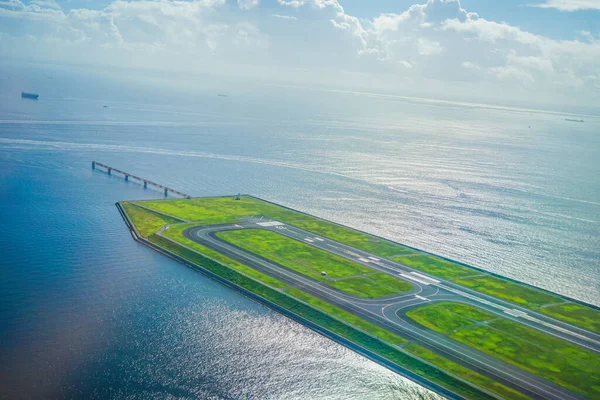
[(85, 312)]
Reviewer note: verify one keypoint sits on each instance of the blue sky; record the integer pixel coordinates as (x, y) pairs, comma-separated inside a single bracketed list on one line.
[(540, 51)]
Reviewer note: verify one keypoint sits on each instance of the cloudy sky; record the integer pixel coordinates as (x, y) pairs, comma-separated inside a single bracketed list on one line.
[(498, 51)]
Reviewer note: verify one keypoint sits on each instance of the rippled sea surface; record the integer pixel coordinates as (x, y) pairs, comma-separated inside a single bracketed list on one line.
[(86, 312)]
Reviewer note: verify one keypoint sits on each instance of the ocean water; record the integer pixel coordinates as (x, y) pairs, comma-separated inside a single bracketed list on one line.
[(86, 312)]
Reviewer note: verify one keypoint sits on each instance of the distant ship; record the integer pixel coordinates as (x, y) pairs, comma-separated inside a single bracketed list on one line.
[(574, 120), (26, 95)]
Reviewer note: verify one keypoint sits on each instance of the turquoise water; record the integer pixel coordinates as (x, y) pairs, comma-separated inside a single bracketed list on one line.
[(85, 312)]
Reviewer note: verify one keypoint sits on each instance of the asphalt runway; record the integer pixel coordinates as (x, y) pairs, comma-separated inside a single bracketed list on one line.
[(389, 312)]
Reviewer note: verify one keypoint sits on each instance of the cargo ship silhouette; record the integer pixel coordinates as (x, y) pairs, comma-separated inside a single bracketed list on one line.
[(33, 96)]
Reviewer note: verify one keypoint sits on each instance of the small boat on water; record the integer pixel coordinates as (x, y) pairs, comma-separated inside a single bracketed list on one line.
[(33, 96)]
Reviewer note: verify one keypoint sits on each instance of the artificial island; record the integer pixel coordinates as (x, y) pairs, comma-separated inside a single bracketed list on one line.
[(460, 331)]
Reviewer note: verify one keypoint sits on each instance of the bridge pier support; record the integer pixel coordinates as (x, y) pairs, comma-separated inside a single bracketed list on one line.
[(147, 182)]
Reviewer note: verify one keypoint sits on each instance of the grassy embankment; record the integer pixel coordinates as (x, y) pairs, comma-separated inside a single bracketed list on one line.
[(225, 209), (334, 319), (559, 361), (342, 274)]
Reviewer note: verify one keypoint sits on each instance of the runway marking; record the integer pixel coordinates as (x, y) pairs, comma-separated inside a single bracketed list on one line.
[(421, 297), (374, 258), (319, 239), (309, 240), (515, 313), (270, 223), (414, 278), (425, 278), (364, 260)]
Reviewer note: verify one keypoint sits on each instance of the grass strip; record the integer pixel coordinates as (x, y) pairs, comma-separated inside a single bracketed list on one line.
[(576, 314), (465, 373), (293, 254), (435, 266), (324, 320), (146, 222), (467, 311), (190, 211), (509, 291), (362, 287), (438, 319), (541, 354), (372, 286), (550, 342), (354, 238)]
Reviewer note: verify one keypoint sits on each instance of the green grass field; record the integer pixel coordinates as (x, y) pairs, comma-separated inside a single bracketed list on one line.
[(467, 311), (509, 291), (223, 209), (576, 314), (373, 245), (190, 211), (145, 221), (561, 362), (435, 266), (311, 262), (439, 319), (465, 373)]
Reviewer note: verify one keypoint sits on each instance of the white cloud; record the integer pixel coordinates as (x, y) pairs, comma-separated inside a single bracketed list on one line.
[(46, 3), (429, 47), (470, 65), (569, 5), (247, 4), (511, 73), (292, 3), (284, 16)]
